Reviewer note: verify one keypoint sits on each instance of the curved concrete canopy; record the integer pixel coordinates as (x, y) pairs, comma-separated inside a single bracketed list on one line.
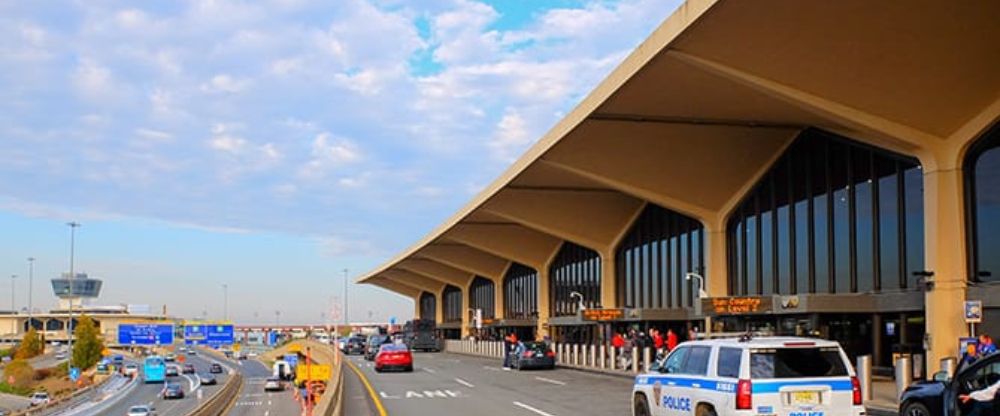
[(702, 107)]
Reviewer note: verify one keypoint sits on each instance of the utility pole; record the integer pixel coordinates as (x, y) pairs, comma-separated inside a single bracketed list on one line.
[(225, 302), (31, 285), (73, 225), (13, 307), (347, 321)]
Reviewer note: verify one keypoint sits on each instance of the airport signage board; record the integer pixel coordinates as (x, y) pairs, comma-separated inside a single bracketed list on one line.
[(602, 315), (741, 305), (145, 334), (973, 311), (315, 372), (213, 335)]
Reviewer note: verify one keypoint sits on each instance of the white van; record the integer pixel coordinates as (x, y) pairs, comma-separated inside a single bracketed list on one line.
[(750, 376)]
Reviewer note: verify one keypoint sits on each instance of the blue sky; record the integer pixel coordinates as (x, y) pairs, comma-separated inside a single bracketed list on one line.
[(271, 144)]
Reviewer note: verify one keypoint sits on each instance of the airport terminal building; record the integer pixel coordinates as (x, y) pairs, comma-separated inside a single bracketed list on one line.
[(825, 169)]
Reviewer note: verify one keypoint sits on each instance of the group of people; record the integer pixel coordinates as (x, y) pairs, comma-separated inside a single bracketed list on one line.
[(660, 343), (981, 400)]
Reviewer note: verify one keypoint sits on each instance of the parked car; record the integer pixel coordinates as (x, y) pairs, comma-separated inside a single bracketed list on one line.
[(39, 398), (939, 397), (533, 355), (171, 357), (394, 356)]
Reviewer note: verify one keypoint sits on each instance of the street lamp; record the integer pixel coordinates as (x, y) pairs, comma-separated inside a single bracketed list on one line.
[(579, 295), (277, 318), (73, 225), (13, 308), (225, 302), (702, 294), (31, 285), (346, 320)]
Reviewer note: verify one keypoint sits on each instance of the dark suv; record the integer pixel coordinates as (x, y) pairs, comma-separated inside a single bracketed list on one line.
[(374, 342), (354, 345), (939, 397)]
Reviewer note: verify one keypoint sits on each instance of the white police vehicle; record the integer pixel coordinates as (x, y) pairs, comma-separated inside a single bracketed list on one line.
[(774, 376)]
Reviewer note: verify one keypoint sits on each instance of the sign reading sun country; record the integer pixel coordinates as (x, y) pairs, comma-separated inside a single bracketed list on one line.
[(211, 334), (145, 334)]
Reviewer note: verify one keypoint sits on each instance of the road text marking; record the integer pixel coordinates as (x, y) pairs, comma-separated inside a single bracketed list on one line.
[(526, 407)]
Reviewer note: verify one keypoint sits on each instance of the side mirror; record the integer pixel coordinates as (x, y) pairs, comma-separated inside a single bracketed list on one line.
[(941, 376)]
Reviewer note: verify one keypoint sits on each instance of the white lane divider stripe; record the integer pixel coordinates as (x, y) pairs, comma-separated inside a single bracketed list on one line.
[(526, 407), (464, 383), (430, 370), (549, 380)]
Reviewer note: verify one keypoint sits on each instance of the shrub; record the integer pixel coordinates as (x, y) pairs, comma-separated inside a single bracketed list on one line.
[(20, 372)]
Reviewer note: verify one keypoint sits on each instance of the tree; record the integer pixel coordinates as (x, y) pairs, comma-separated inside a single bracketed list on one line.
[(31, 346), (20, 372), (88, 344)]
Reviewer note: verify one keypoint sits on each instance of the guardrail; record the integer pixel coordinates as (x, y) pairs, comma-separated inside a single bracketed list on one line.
[(62, 400), (588, 357), (221, 401)]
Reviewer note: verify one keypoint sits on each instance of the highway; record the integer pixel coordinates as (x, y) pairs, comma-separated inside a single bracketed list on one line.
[(445, 384), (254, 401)]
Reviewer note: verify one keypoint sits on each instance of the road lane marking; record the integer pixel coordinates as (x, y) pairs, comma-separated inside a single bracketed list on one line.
[(430, 370), (549, 380), (368, 386), (491, 368), (464, 383), (526, 407)]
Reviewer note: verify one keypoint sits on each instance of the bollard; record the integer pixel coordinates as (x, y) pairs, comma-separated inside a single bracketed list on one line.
[(918, 367), (904, 375), (635, 360), (948, 365), (557, 347), (613, 358), (584, 358), (864, 370), (602, 356), (576, 354), (647, 358), (592, 356)]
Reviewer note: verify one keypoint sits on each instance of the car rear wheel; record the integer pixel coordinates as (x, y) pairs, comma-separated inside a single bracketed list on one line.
[(641, 406), (915, 409), (705, 411)]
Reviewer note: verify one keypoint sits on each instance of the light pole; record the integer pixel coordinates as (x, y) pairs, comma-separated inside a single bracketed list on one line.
[(702, 294), (13, 308), (346, 320), (277, 318), (73, 225), (31, 285), (225, 302)]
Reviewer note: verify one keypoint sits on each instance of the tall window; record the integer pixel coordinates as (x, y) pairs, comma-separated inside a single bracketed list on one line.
[(652, 260), (831, 216), (481, 296), (428, 306), (575, 269), (452, 298), (520, 292), (982, 173)]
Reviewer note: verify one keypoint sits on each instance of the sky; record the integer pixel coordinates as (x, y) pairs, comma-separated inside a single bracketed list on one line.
[(270, 145)]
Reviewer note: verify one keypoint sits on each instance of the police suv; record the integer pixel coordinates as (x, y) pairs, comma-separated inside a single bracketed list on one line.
[(749, 376)]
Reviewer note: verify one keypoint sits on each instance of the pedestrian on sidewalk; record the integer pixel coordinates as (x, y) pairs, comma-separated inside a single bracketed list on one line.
[(986, 345), (508, 346), (671, 340)]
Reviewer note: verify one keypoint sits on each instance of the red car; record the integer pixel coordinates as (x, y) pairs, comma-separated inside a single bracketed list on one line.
[(393, 356)]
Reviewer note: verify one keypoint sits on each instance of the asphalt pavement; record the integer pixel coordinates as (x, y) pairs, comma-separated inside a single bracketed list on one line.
[(11, 402), (445, 384), (254, 401)]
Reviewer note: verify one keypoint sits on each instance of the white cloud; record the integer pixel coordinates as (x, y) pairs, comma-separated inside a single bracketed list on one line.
[(154, 135), (92, 79), (225, 83)]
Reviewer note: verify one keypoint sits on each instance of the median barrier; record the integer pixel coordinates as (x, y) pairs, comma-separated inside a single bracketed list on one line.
[(330, 402)]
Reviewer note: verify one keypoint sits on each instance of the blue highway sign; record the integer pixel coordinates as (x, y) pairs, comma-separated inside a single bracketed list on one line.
[(146, 334)]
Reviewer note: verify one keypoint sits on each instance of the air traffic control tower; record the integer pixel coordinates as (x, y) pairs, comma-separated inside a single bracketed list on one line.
[(75, 291)]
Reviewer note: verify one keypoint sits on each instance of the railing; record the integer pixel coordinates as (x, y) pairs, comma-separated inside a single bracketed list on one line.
[(589, 357)]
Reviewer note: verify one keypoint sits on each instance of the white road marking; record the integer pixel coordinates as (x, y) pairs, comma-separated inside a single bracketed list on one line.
[(549, 380), (267, 413), (526, 407), (491, 368), (430, 370), (464, 383)]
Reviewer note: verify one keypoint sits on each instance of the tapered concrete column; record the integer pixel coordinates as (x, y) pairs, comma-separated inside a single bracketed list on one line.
[(716, 272), (466, 321), (543, 303), (608, 282), (944, 242), (439, 306)]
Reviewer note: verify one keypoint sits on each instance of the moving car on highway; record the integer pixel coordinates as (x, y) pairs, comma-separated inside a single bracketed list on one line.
[(171, 357), (533, 354), (215, 368), (141, 410), (188, 369), (373, 344), (171, 371), (273, 384), (173, 391), (39, 398), (207, 379), (941, 396), (131, 369), (750, 376), (355, 345), (394, 356)]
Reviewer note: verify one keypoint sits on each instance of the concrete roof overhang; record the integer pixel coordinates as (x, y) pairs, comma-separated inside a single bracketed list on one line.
[(697, 112)]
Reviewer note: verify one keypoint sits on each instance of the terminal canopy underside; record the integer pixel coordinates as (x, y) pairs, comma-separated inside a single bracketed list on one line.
[(795, 152)]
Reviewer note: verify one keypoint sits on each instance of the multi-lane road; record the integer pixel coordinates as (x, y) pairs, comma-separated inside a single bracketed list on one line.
[(254, 401), (445, 384)]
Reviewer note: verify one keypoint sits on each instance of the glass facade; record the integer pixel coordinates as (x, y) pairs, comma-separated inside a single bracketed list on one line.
[(451, 297), (831, 216), (428, 306), (982, 172), (575, 269), (653, 258), (482, 296), (520, 292)]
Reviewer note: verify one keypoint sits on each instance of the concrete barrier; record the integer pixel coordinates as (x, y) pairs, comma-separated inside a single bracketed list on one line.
[(331, 402)]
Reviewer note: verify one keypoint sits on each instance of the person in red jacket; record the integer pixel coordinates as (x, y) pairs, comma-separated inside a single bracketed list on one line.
[(671, 340), (618, 341), (657, 340)]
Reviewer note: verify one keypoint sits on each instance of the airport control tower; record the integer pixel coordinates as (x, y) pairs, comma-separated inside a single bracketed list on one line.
[(83, 290)]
